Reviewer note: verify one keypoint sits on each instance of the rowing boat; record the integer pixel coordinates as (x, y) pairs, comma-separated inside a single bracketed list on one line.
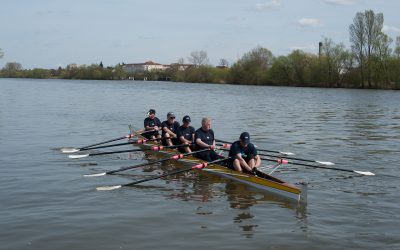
[(260, 181)]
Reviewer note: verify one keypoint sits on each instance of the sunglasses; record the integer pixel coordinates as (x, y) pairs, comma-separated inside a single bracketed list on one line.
[(172, 118)]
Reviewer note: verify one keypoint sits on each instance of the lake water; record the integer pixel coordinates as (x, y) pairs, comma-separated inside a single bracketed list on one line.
[(46, 203)]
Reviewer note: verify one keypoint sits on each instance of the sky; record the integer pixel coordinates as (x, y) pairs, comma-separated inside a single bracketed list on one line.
[(55, 33)]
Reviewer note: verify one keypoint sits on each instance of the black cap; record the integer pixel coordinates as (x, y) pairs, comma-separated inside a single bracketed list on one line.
[(151, 111), (245, 137), (186, 118)]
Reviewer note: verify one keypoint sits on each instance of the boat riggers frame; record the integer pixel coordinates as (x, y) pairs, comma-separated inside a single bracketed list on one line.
[(228, 144), (154, 148), (174, 157), (197, 166), (313, 166), (327, 163)]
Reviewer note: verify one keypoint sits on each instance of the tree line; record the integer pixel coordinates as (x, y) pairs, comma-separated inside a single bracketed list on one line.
[(370, 62)]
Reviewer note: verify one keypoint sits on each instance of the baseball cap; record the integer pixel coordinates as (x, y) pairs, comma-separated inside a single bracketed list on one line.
[(245, 137), (186, 118), (151, 111), (170, 114)]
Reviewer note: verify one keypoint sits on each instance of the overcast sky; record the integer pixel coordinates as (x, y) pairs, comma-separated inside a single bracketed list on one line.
[(52, 33)]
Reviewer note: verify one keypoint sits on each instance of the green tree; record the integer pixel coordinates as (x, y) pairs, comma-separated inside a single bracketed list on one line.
[(1, 53), (252, 68), (336, 62)]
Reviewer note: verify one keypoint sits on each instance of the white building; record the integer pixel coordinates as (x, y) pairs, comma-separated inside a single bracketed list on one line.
[(146, 66)]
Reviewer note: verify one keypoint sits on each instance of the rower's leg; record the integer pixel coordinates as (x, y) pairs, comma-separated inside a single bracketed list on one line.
[(236, 165), (251, 163)]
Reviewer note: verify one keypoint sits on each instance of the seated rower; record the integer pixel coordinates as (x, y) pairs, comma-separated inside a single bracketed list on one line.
[(244, 155), (152, 124), (169, 129), (185, 134), (204, 138)]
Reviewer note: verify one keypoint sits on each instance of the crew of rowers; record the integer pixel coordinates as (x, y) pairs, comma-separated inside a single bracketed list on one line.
[(243, 154)]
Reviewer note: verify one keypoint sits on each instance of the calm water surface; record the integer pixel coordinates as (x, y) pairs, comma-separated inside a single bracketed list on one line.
[(46, 203)]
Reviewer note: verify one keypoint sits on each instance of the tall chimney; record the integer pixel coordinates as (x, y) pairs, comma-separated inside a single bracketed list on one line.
[(320, 49)]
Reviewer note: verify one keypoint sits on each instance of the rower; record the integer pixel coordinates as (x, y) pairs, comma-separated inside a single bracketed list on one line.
[(204, 138), (185, 134), (152, 124), (169, 129), (244, 155)]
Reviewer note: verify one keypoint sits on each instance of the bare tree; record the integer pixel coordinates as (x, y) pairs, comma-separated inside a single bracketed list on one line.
[(373, 33), (397, 48), (223, 62), (358, 40), (198, 58), (13, 66), (1, 53)]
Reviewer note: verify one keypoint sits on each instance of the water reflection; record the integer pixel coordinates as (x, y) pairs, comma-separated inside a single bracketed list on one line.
[(207, 188)]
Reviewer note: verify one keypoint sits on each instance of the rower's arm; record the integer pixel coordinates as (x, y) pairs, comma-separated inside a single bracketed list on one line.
[(168, 131), (258, 161), (201, 143), (183, 140)]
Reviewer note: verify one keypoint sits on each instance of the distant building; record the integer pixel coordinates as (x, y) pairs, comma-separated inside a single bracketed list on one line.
[(181, 66), (153, 66), (146, 66)]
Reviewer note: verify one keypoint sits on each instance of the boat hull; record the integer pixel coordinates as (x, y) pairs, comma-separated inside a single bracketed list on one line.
[(262, 181)]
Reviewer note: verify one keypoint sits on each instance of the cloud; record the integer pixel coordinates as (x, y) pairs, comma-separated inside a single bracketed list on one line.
[(310, 22), (387, 28), (341, 2), (267, 6)]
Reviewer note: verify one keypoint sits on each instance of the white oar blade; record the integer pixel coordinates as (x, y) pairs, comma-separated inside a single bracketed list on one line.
[(95, 175), (364, 172), (78, 156), (328, 163), (287, 153), (69, 150), (107, 188)]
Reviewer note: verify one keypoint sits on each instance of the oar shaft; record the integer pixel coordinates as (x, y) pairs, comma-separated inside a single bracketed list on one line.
[(141, 141), (199, 166), (104, 142), (287, 157), (174, 157), (309, 165), (156, 148)]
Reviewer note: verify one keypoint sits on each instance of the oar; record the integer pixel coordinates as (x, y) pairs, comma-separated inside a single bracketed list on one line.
[(228, 144), (155, 148), (327, 163), (74, 150), (174, 157), (198, 166), (140, 141), (313, 166)]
